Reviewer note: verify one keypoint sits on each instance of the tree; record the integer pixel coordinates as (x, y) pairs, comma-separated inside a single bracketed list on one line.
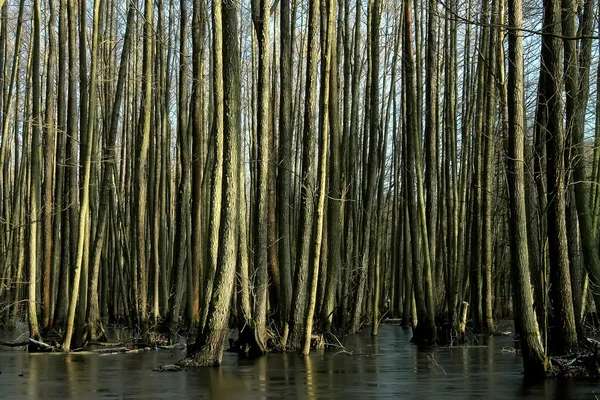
[(531, 346), (36, 152), (107, 179), (422, 279), (299, 298), (182, 233), (336, 191), (198, 133), (322, 182), (260, 19), (284, 173), (142, 161), (210, 341), (49, 162), (564, 338)]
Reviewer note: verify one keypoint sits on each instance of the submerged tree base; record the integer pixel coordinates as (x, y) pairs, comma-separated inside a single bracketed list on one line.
[(199, 361), (425, 333), (250, 343)]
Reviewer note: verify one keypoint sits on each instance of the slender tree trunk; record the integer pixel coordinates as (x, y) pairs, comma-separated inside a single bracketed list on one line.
[(577, 91), (49, 162), (109, 173), (93, 310), (284, 174), (197, 104), (61, 255), (564, 336), (142, 163), (488, 170), (299, 298), (260, 18), (374, 132), (423, 283), (72, 187), (476, 278), (534, 360), (431, 128), (334, 208), (184, 187), (36, 171), (211, 339), (217, 172), (322, 178)]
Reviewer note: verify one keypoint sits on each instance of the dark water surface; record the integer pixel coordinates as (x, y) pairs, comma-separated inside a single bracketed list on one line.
[(387, 366)]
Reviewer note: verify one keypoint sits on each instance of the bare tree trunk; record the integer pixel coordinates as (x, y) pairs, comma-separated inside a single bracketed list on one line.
[(61, 255), (184, 187), (211, 339), (322, 179), (423, 283), (299, 298), (260, 18), (217, 172), (334, 208), (488, 171), (564, 336), (577, 92), (531, 346), (72, 187), (110, 154), (93, 310), (36, 170), (49, 162), (142, 163), (198, 133), (284, 174), (431, 128)]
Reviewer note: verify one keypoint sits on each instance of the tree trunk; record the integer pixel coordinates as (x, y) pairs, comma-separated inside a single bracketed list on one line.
[(423, 283), (260, 17), (322, 177), (36, 171), (299, 298), (284, 173), (534, 360), (49, 162), (210, 341), (564, 336), (198, 133)]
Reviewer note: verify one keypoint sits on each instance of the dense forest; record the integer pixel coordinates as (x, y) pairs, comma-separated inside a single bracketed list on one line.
[(188, 168)]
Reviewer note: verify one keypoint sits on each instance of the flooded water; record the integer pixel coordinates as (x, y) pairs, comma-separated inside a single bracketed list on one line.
[(387, 366)]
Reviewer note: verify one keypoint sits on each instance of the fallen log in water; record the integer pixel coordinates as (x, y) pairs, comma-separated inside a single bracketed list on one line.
[(176, 346), (14, 344), (35, 346), (392, 320), (106, 344), (119, 350), (110, 350), (168, 368)]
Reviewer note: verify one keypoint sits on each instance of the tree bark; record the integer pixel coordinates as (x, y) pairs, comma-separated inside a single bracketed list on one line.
[(211, 339), (564, 336), (260, 18), (534, 360), (299, 298)]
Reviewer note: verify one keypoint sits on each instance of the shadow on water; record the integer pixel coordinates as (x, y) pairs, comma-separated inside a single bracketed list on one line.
[(387, 366)]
